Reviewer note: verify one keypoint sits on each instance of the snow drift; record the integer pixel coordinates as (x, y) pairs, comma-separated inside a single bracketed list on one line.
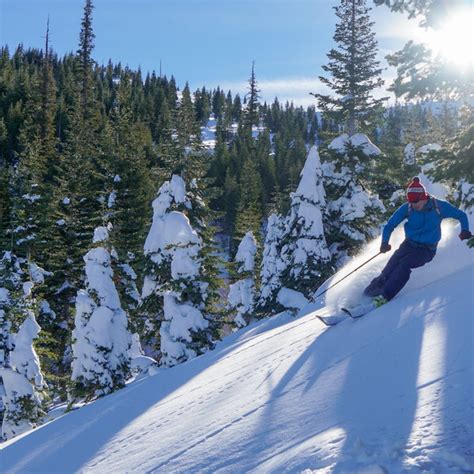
[(391, 392)]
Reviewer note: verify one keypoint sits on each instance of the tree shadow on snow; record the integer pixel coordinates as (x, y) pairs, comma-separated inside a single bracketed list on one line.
[(357, 381), (68, 443)]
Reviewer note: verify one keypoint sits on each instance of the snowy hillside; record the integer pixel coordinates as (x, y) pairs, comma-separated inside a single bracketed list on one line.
[(390, 392)]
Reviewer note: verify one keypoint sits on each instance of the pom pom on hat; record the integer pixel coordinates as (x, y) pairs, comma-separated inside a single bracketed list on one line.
[(416, 191)]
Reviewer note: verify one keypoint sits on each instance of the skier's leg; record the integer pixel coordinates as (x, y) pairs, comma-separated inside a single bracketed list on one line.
[(397, 279), (375, 287), (399, 254)]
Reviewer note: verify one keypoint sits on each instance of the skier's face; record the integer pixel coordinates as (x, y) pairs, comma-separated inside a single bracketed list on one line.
[(419, 205)]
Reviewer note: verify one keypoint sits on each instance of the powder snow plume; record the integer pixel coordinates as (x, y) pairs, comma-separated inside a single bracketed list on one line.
[(452, 256)]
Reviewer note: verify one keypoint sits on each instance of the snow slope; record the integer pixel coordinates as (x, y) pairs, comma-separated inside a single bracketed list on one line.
[(391, 392)]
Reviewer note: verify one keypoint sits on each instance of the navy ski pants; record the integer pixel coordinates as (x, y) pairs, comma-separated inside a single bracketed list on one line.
[(398, 269)]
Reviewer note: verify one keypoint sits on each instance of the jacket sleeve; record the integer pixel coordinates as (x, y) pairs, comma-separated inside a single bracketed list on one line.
[(398, 216), (448, 210)]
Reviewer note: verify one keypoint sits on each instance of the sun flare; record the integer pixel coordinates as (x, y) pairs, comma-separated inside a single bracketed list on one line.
[(454, 40)]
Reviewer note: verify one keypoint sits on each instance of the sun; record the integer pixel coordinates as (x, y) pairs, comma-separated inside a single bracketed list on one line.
[(454, 39)]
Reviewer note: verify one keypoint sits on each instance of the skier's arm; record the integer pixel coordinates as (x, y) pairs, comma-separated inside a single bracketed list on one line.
[(448, 210), (398, 216)]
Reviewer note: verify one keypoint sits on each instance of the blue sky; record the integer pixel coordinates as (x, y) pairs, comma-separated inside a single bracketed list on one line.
[(205, 42)]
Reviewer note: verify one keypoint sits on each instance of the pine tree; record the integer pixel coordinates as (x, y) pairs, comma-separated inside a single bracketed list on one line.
[(252, 111), (20, 373), (242, 293), (354, 211), (179, 290), (304, 248), (218, 103), (237, 109), (249, 210), (273, 265), (48, 109), (85, 61), (230, 201), (5, 208), (128, 179), (203, 106), (31, 185), (187, 124), (353, 68), (79, 191), (101, 339)]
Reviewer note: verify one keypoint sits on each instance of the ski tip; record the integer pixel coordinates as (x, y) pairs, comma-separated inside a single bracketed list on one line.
[(326, 323), (345, 310), (332, 320)]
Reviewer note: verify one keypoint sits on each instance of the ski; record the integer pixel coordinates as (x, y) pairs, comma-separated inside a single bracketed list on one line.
[(359, 311), (333, 319)]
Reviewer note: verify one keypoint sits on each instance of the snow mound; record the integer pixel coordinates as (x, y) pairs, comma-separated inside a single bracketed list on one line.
[(291, 299)]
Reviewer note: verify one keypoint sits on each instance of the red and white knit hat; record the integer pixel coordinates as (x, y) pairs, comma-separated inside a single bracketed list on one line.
[(416, 191)]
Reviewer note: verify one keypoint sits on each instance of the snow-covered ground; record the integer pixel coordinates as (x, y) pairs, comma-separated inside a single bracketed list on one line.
[(391, 392)]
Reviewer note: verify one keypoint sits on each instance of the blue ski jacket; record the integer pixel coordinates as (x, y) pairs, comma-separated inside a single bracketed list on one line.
[(424, 227)]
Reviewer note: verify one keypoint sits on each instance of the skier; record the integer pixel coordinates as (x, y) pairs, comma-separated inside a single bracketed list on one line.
[(424, 214)]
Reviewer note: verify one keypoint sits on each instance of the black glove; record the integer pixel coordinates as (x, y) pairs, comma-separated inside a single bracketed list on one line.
[(385, 247), (465, 234)]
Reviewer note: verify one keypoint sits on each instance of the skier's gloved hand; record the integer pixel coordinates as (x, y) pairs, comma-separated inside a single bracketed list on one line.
[(384, 248), (465, 234)]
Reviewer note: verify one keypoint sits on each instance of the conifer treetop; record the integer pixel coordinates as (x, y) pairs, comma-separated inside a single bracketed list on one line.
[(310, 186), (353, 67), (23, 357), (246, 253)]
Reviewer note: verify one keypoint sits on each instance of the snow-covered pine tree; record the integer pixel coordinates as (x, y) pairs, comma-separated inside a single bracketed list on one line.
[(177, 292), (304, 249), (272, 265), (101, 339), (241, 297), (79, 190), (20, 373), (354, 69), (354, 211)]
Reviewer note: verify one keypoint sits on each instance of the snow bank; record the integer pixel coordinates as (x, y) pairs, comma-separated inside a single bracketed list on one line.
[(289, 298)]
